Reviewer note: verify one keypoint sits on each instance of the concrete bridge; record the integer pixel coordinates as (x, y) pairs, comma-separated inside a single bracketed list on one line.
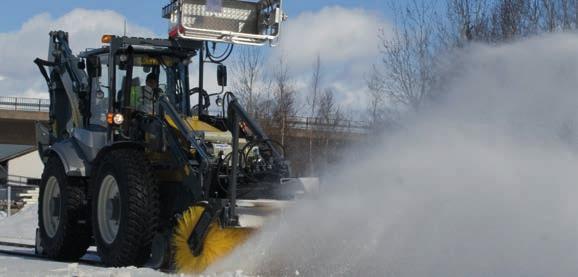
[(18, 117)]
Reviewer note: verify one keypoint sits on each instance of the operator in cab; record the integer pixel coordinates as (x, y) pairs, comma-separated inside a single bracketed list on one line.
[(150, 92)]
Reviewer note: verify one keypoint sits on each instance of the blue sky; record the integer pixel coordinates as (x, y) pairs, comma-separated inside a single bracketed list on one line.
[(343, 32), (147, 13)]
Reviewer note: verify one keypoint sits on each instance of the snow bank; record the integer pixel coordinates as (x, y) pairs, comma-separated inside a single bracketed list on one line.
[(20, 227)]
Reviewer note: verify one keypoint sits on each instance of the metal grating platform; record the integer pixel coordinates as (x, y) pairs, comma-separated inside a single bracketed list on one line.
[(228, 21)]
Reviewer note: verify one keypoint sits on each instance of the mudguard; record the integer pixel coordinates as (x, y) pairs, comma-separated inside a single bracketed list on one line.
[(69, 154), (42, 140)]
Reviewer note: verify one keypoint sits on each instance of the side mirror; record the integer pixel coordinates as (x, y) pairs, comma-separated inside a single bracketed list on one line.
[(222, 75), (94, 67)]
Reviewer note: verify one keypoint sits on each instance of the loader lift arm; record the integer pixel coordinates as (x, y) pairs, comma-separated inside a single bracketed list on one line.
[(67, 83)]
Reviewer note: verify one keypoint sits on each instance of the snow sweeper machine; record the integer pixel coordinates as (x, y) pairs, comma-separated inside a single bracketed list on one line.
[(149, 168)]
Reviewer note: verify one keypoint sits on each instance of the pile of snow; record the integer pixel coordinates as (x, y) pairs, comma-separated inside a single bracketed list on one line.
[(21, 226)]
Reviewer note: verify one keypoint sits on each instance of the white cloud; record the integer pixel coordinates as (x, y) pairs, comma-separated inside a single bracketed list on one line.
[(347, 41), (34, 93), (18, 49), (338, 34)]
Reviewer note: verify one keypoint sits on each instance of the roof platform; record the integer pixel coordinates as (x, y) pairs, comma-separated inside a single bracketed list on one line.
[(255, 22)]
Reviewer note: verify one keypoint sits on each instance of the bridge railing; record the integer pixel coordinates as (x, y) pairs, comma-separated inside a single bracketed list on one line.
[(328, 125), (325, 125), (24, 104), (302, 123)]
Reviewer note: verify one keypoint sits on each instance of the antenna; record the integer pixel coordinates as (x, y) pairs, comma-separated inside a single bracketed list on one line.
[(125, 27)]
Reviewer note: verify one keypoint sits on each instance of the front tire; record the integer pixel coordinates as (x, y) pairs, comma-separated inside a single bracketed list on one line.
[(125, 208), (64, 232)]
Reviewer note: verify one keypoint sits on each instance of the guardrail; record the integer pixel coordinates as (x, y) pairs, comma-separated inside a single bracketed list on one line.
[(24, 104)]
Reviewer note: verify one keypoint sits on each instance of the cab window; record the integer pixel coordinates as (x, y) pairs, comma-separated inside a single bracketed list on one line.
[(100, 94)]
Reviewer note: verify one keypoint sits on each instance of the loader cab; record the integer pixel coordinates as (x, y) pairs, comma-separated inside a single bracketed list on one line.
[(118, 89), (131, 90), (109, 79)]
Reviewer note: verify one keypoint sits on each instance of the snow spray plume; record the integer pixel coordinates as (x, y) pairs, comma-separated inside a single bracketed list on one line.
[(485, 184)]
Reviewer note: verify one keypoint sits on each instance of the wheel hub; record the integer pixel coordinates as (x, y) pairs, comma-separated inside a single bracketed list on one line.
[(55, 206), (51, 206), (114, 212), (109, 209)]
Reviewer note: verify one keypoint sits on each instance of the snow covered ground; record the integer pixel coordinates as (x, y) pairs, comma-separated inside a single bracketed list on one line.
[(20, 228), (20, 266)]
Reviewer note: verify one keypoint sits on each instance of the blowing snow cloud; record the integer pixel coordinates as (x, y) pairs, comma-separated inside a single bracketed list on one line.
[(483, 184)]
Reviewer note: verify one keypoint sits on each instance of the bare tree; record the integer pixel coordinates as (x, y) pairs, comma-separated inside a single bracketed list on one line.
[(315, 85), (376, 98), (576, 14), (565, 14), (406, 78), (329, 113), (248, 71), (330, 117), (508, 18), (408, 56), (549, 12), (495, 21), (533, 16), (470, 19), (284, 98), (312, 101)]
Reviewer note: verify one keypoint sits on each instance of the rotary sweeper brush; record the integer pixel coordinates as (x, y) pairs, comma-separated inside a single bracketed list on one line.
[(133, 167)]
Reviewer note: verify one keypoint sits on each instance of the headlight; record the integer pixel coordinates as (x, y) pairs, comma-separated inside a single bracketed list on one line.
[(118, 119)]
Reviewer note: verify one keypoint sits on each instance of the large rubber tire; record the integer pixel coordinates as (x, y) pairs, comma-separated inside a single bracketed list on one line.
[(70, 235), (137, 218)]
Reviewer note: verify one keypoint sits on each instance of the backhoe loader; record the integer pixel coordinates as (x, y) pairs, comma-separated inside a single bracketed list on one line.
[(150, 169)]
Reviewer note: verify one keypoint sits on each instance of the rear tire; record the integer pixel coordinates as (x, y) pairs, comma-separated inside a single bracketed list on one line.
[(64, 231), (125, 208)]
